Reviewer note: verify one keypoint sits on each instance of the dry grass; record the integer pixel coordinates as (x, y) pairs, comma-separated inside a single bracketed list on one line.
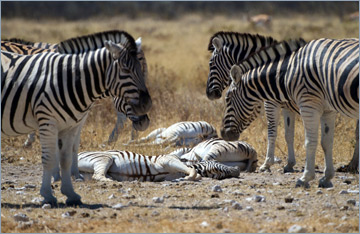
[(177, 57)]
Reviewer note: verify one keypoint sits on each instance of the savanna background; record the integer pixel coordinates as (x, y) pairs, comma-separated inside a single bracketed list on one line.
[(175, 38)]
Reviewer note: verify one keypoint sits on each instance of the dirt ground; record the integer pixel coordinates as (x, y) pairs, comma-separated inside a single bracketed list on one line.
[(254, 202)]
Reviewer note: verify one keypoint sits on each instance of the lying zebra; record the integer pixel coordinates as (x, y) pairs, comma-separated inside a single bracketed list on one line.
[(181, 134), (230, 153), (129, 166)]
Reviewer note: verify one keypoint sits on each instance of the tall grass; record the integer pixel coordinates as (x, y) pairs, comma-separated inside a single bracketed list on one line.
[(177, 57)]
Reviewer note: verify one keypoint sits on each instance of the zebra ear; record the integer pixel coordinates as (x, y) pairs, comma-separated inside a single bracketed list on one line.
[(197, 156), (235, 74), (114, 49), (138, 44), (217, 43)]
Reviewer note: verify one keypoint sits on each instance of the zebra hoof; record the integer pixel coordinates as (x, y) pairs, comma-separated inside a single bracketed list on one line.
[(324, 183), (301, 183), (264, 169), (348, 169), (288, 169), (73, 203)]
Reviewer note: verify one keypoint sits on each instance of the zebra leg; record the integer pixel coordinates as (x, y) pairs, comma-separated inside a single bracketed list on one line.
[(102, 166), (311, 121), (327, 139), (67, 140), (30, 139), (272, 112), (152, 135), (134, 134), (121, 118), (74, 165), (173, 165), (289, 123), (48, 134), (353, 166)]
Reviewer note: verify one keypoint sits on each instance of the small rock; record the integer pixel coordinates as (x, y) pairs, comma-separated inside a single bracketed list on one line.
[(297, 229), (276, 183), (248, 199), (112, 196), (344, 208), (216, 188), (280, 208), (330, 189), (68, 214), (238, 193), (214, 195), (277, 160), (20, 217), (30, 186), (155, 213), (319, 192), (347, 181), (351, 201), (46, 206), (20, 193), (219, 225), (118, 206), (249, 208), (289, 199), (204, 224), (228, 201), (226, 209), (258, 198), (226, 231), (29, 209), (343, 192), (353, 191), (85, 215), (158, 199), (237, 206), (344, 218)]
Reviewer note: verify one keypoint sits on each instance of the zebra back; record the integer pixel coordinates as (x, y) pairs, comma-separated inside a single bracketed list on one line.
[(42, 45), (22, 48)]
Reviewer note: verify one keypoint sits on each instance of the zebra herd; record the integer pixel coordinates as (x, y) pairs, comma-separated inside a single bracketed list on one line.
[(52, 87)]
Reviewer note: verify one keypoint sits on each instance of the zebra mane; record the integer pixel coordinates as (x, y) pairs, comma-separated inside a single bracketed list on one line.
[(227, 37), (19, 41), (270, 53), (78, 45)]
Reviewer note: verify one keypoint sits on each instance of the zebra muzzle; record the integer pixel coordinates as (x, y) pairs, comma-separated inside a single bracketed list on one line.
[(140, 123), (230, 134), (142, 105), (213, 94)]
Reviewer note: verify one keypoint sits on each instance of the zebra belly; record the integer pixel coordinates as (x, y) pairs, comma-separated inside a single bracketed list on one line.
[(141, 170)]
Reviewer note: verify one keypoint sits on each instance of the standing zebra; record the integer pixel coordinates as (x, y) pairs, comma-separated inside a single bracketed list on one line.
[(321, 78), (229, 48), (54, 92), (77, 46), (125, 166)]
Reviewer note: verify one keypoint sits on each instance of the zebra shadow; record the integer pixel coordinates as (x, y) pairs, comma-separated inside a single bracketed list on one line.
[(58, 205)]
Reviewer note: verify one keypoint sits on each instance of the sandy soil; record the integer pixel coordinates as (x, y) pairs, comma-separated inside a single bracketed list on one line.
[(254, 202)]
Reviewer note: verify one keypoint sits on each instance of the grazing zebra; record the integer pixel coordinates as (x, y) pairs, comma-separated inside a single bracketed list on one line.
[(54, 92), (321, 78), (128, 166), (181, 134), (231, 153), (229, 48)]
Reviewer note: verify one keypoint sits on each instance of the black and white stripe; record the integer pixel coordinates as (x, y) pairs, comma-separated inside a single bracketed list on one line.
[(128, 166), (320, 78), (53, 93)]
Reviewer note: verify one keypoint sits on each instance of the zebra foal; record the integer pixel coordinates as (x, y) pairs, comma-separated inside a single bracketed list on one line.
[(54, 92)]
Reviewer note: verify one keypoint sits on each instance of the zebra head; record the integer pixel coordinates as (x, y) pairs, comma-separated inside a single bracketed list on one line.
[(125, 77), (241, 108), (220, 64), (140, 123), (216, 170)]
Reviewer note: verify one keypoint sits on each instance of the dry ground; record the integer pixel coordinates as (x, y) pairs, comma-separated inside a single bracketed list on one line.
[(177, 57)]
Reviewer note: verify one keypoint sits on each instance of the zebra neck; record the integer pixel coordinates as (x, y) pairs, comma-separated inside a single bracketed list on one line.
[(267, 82)]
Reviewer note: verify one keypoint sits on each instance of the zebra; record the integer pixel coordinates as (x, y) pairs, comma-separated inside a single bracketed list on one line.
[(231, 153), (54, 92), (77, 46), (180, 134), (298, 77), (139, 122), (229, 48), (128, 166)]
